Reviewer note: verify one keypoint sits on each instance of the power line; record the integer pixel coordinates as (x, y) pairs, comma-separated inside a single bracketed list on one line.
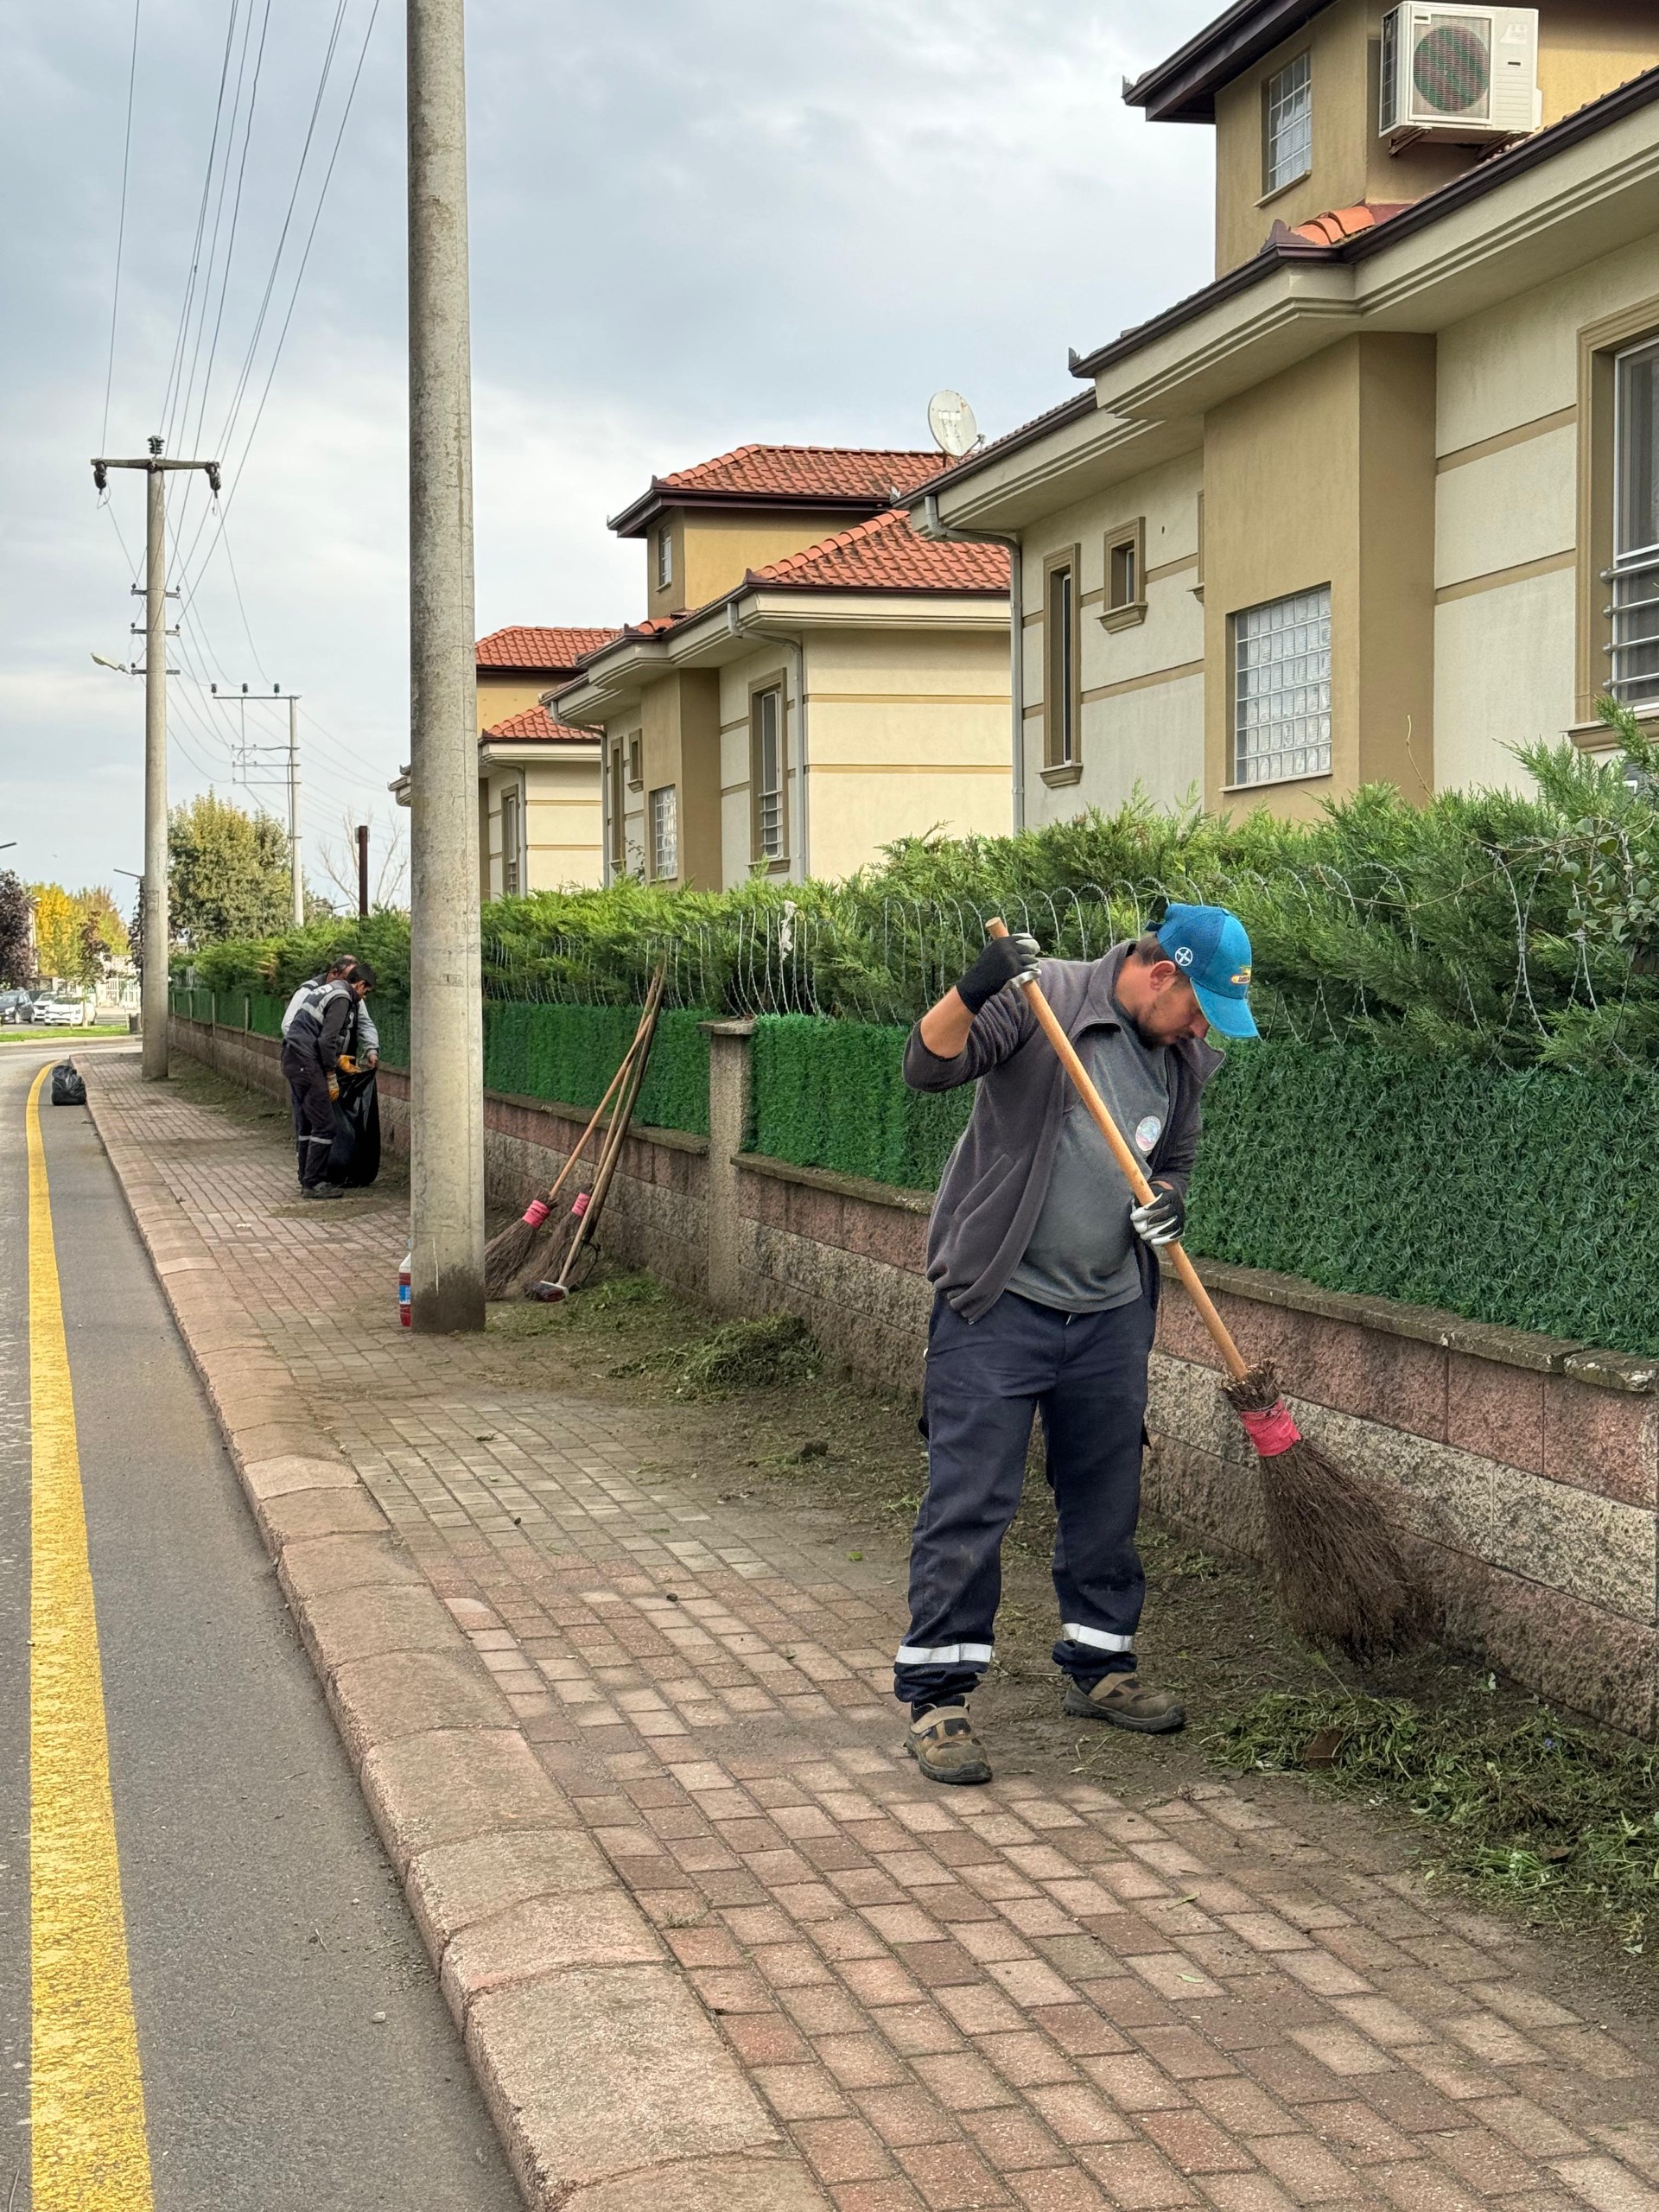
[(222, 506), (236, 211), (121, 227), (202, 225)]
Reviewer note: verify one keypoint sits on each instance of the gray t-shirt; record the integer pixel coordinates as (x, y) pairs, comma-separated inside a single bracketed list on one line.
[(1081, 1257)]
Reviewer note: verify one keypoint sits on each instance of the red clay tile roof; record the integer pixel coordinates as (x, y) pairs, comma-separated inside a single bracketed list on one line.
[(805, 472), (537, 726), (1340, 222), (757, 476), (886, 555), (538, 649)]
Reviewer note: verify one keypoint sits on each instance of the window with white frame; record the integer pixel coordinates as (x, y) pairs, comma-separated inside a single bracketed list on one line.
[(510, 845), (766, 771), (665, 557), (665, 833), (1281, 689), (1288, 124), (1633, 674)]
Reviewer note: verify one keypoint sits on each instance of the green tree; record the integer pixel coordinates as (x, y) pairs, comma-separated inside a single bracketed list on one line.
[(228, 873), (16, 965)]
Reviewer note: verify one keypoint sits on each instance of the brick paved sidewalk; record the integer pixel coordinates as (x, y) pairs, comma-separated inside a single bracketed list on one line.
[(1029, 1994)]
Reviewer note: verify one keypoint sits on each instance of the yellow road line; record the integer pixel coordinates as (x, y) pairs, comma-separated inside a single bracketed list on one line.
[(90, 2151)]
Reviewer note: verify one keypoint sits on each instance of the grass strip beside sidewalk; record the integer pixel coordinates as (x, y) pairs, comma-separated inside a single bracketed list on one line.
[(1563, 1819)]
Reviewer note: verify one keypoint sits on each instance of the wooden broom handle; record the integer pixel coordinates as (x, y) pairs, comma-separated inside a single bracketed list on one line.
[(1134, 1175), (560, 1179)]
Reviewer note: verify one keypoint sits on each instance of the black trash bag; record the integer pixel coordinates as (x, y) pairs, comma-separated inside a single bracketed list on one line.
[(69, 1089), (354, 1158)]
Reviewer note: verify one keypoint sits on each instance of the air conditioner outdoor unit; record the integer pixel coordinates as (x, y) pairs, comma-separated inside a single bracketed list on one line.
[(1466, 75)]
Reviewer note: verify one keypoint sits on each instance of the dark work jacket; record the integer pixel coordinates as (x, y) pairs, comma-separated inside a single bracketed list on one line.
[(318, 1030), (996, 1180)]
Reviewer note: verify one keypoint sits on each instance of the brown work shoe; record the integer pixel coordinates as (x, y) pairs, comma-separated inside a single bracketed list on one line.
[(944, 1746), (1126, 1701)]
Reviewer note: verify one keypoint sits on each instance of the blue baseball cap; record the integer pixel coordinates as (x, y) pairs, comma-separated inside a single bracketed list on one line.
[(1209, 946)]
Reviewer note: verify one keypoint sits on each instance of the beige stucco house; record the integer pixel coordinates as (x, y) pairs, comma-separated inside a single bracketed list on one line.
[(1381, 501), (811, 681), (539, 824)]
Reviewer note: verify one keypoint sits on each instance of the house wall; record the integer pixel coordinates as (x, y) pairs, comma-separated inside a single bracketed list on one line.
[(502, 696), (1515, 462), (739, 681), (679, 721), (1586, 48), (1142, 712), (1325, 474), (714, 548), (907, 732)]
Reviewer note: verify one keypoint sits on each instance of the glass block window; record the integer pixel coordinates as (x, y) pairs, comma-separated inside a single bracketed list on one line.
[(1281, 689), (1287, 135), (1633, 675), (664, 832)]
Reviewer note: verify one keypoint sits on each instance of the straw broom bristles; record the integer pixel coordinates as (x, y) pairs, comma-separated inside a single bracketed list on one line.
[(1331, 1552)]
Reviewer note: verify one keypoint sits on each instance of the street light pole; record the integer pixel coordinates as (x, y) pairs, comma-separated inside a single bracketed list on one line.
[(152, 903), (446, 1015)]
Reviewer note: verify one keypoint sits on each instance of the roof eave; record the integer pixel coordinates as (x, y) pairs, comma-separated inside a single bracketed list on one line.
[(1183, 88), (999, 448), (635, 520)]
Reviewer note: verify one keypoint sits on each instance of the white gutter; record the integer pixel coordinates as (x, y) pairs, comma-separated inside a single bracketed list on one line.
[(941, 533), (737, 627)]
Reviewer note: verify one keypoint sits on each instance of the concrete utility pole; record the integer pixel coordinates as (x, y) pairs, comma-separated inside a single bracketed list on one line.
[(445, 1166), (153, 889), (296, 871)]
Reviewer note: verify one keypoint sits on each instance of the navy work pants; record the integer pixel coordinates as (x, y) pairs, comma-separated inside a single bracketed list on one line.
[(313, 1115), (1086, 1374)]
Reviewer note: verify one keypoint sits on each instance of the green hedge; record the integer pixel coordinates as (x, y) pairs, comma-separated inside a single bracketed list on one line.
[(831, 1094), (1523, 1197), (571, 1053), (1518, 1197)]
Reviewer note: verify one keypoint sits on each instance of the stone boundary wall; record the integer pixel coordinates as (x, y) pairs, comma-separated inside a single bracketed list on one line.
[(1521, 1471)]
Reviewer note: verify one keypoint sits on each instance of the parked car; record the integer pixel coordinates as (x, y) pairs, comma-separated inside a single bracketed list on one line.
[(62, 1013), (15, 1005)]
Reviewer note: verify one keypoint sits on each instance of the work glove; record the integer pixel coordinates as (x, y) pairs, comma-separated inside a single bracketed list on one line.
[(1003, 959), (1162, 1218), (333, 1090)]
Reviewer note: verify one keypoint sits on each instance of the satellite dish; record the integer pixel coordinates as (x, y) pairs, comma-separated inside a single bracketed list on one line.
[(951, 421)]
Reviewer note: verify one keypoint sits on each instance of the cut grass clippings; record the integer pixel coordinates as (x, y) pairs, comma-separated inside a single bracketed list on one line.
[(740, 1356), (1565, 1819)]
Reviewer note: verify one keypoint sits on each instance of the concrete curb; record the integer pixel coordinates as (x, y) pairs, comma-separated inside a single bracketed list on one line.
[(605, 2077)]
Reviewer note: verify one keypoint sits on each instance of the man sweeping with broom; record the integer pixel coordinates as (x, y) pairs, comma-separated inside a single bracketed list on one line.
[(1045, 1276)]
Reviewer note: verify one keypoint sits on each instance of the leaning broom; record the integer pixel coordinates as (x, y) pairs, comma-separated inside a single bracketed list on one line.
[(1338, 1570)]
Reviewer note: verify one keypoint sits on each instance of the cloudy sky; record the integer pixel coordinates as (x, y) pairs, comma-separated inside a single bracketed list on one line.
[(691, 227)]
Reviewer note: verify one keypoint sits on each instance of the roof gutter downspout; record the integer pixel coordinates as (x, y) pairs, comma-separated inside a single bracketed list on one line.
[(800, 867), (933, 528)]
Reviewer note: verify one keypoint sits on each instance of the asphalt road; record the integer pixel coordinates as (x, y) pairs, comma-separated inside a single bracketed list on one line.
[(265, 1932)]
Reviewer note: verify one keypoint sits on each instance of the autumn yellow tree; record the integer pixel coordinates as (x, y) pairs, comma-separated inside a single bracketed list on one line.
[(59, 953), (75, 932)]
